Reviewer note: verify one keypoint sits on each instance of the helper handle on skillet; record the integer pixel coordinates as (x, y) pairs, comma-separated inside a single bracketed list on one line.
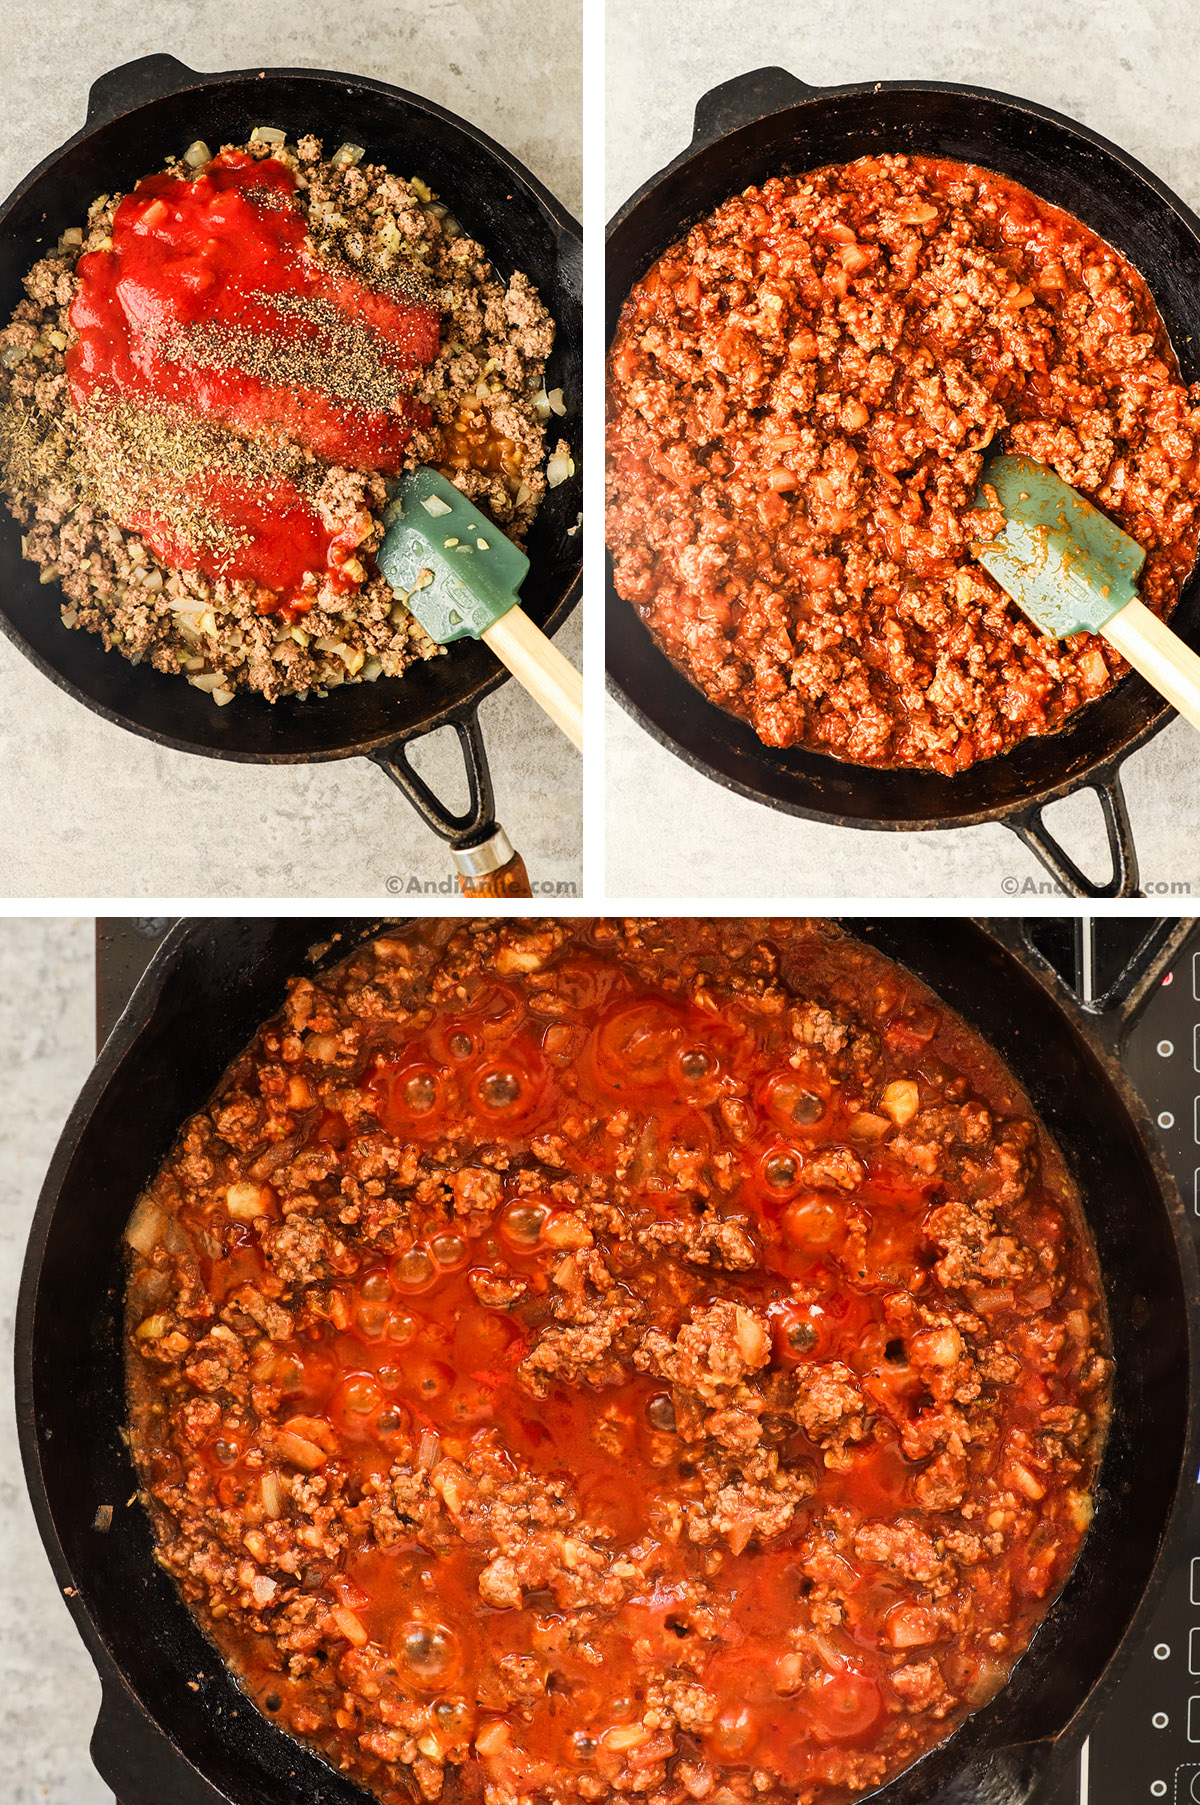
[(742, 100), (134, 1758), (1032, 831), (1111, 1012), (133, 84), (482, 852)]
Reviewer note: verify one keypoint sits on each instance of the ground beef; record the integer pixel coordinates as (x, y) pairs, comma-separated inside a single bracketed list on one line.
[(800, 396), (572, 1359), (487, 432)]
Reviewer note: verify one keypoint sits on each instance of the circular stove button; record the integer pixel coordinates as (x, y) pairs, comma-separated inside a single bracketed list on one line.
[(1194, 1788)]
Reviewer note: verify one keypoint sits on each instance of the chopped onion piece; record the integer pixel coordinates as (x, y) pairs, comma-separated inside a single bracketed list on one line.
[(197, 154), (70, 616), (268, 134), (371, 670), (557, 404), (541, 405), (300, 1451), (350, 1626), (222, 697), (145, 1226), (209, 681), (347, 153), (273, 1494), (433, 504), (421, 189), (558, 469)]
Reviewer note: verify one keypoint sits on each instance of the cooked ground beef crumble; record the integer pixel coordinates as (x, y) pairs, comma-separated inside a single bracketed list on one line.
[(574, 1359), (488, 415), (801, 392)]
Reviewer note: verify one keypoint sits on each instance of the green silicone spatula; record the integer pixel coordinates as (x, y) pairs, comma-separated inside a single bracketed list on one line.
[(1071, 570), (460, 575)]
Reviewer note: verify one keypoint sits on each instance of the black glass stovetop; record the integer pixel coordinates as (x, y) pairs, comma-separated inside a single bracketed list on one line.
[(1146, 1743)]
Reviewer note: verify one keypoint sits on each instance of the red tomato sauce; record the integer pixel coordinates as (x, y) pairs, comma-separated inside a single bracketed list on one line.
[(203, 277), (720, 1432), (801, 396)]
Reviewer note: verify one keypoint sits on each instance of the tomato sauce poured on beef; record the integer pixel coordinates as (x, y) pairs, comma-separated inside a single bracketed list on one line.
[(210, 305)]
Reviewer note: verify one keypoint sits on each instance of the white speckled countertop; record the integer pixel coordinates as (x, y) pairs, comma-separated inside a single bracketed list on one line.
[(91, 810), (1131, 72), (49, 1694)]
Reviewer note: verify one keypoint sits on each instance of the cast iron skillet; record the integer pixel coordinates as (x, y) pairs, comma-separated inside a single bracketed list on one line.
[(769, 122), (137, 116), (159, 1742)]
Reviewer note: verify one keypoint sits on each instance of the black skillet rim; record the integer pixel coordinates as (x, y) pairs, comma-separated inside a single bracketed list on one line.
[(1099, 771), (184, 79), (1087, 1027)]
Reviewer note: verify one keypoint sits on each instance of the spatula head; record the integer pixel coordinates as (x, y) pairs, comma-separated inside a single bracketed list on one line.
[(446, 561), (1062, 561)]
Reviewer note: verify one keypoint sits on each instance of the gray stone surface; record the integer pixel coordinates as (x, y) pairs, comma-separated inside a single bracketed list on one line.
[(94, 811), (1130, 73), (48, 1691)]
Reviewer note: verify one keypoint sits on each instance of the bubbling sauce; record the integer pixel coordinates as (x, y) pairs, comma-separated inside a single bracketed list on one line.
[(580, 1358)]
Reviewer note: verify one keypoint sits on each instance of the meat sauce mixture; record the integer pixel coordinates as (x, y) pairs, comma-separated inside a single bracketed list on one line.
[(578, 1359), (800, 395), (206, 394)]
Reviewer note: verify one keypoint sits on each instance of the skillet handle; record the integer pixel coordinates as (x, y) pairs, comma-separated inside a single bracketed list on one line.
[(135, 1760), (1006, 1776), (483, 855), (133, 84), (742, 100), (1032, 831)]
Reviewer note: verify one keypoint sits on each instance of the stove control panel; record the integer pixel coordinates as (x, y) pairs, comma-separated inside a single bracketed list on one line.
[(1146, 1745)]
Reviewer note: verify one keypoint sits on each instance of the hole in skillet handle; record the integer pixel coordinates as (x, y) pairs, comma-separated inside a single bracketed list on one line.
[(742, 100), (1031, 830), (486, 864)]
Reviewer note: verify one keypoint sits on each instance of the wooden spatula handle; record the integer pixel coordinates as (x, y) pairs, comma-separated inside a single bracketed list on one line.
[(539, 666), (492, 868), (1160, 655), (511, 880)]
